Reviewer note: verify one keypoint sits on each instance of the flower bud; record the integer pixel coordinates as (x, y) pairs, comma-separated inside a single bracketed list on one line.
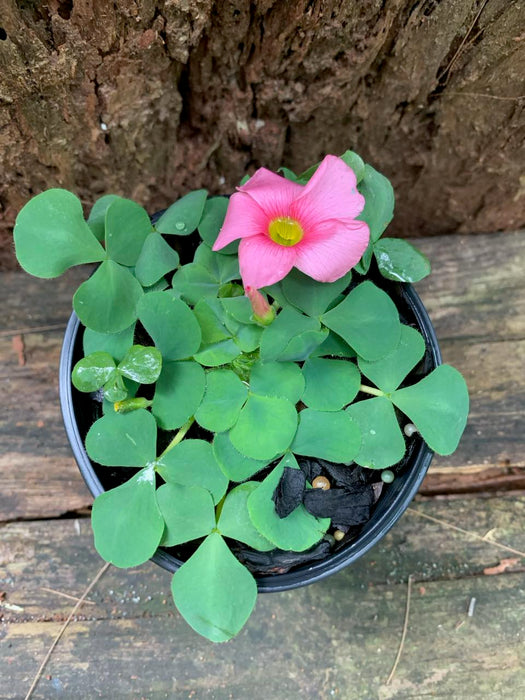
[(262, 311)]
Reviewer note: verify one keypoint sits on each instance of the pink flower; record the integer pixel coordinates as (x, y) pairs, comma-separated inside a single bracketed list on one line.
[(282, 225)]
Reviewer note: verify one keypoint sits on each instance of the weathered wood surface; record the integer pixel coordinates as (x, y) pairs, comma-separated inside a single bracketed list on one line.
[(337, 638), (476, 299)]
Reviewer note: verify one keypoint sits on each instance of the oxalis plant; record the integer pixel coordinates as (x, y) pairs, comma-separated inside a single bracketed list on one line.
[(216, 376)]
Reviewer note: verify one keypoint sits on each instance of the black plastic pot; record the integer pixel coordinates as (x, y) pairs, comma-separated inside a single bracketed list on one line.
[(394, 499)]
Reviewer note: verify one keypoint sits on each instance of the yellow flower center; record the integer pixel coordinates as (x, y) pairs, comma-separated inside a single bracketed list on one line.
[(285, 231)]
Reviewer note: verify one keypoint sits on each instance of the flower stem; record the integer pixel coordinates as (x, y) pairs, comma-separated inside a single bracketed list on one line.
[(179, 436), (371, 390)]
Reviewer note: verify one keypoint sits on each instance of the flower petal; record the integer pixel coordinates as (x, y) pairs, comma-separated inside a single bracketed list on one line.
[(330, 194), (244, 218), (263, 262), (272, 192), (331, 255)]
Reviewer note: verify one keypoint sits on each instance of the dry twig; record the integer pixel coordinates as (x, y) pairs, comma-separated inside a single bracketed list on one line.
[(403, 634)]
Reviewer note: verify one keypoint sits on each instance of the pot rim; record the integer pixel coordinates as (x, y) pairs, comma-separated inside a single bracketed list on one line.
[(407, 483)]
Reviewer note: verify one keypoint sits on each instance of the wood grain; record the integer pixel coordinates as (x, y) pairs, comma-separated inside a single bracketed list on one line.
[(335, 638)]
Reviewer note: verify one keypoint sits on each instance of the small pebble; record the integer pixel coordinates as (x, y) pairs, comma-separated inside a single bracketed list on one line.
[(387, 476), (409, 429), (321, 482), (338, 535)]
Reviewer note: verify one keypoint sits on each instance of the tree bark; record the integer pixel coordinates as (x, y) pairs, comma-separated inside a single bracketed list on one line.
[(149, 99)]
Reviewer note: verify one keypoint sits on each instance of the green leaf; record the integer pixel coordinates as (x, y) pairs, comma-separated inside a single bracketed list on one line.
[(283, 379), (334, 345), (156, 259), (192, 463), (363, 265), (193, 282), (329, 435), (188, 512), (298, 531), (235, 519), (171, 324), (330, 384), (223, 399), (116, 344), (288, 174), (97, 216), (209, 313), (224, 268), (123, 439), (142, 364), (218, 353), (212, 221), (367, 320), (399, 260), (382, 443), (235, 465), (51, 235), (178, 393), (265, 428), (279, 340), (115, 389), (356, 163), (238, 308), (107, 301), (183, 217), (310, 296), (438, 406), (127, 522), (92, 372), (388, 372), (127, 227), (379, 202), (213, 591)]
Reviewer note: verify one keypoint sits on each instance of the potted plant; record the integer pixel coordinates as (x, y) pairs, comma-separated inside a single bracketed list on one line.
[(252, 390)]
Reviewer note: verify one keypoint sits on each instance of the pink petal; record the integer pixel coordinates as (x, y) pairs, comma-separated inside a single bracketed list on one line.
[(263, 262), (330, 194), (331, 255), (272, 192), (244, 218)]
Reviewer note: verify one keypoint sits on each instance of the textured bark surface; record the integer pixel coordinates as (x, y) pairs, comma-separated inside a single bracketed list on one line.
[(148, 99)]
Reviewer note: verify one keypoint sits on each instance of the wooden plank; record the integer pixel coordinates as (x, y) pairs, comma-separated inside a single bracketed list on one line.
[(476, 298), (335, 638)]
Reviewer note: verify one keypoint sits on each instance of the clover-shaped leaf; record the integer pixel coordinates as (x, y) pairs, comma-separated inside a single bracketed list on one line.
[(310, 296), (127, 522), (97, 216), (193, 282), (188, 512), (178, 393), (123, 440), (213, 591), (212, 221), (210, 315), (298, 531), (333, 346), (107, 301), (224, 268), (291, 337), (142, 364), (438, 406), (388, 372), (265, 428), (330, 384), (223, 399), (329, 435), (235, 465), (399, 260), (235, 521), (192, 463), (171, 324), (283, 379), (116, 344), (183, 217), (382, 443), (367, 319), (356, 163), (51, 235), (217, 354), (379, 201), (126, 228), (156, 259), (93, 371)]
